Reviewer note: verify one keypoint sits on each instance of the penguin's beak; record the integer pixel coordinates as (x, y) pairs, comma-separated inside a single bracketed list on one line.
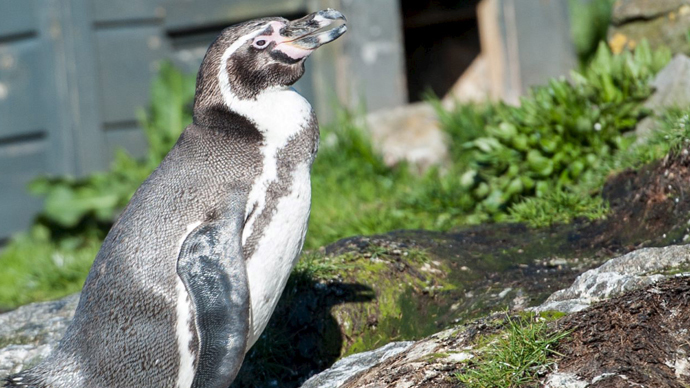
[(302, 36)]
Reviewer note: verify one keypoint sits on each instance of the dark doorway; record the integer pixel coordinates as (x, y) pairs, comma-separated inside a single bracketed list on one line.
[(441, 41)]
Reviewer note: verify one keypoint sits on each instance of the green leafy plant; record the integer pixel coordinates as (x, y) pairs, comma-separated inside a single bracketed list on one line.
[(515, 357), (589, 23), (559, 134)]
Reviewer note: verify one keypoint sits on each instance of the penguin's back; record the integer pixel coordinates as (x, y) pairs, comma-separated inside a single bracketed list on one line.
[(126, 324)]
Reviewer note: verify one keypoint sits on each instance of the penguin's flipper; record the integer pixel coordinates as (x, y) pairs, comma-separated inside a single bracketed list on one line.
[(213, 271)]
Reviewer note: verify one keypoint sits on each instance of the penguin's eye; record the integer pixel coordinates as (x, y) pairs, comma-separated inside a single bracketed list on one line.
[(260, 44)]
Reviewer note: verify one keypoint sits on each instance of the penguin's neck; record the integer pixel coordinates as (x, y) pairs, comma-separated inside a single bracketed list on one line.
[(277, 113)]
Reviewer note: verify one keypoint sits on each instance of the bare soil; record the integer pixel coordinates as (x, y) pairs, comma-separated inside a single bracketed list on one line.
[(638, 338)]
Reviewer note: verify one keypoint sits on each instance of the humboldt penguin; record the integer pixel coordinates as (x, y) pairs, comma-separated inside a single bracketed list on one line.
[(190, 273)]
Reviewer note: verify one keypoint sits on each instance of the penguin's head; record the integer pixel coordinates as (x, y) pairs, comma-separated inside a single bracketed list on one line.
[(249, 58)]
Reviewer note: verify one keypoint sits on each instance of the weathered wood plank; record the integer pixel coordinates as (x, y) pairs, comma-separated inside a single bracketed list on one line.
[(19, 163), (188, 14), (21, 100), (543, 55), (111, 11), (127, 61), (83, 87), (18, 17), (129, 138), (519, 52), (374, 55)]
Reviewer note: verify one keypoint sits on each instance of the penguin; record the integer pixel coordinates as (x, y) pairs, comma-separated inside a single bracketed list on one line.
[(190, 273)]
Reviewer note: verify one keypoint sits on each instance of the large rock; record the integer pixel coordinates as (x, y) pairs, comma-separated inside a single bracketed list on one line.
[(661, 22), (474, 86), (342, 370), (434, 361), (671, 90), (617, 276), (617, 326), (409, 133), (627, 10), (639, 339), (30, 332)]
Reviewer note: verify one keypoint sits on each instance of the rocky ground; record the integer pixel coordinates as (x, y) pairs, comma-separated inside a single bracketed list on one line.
[(639, 339)]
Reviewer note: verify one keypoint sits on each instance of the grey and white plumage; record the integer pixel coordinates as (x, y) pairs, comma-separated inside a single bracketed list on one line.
[(189, 274)]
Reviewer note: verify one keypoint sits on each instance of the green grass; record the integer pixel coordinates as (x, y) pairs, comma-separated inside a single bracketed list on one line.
[(314, 265), (352, 189), (34, 267), (515, 357), (558, 207)]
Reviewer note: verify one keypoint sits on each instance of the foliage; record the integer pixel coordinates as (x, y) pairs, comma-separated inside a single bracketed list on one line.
[(589, 23), (353, 191), (559, 134), (515, 357), (673, 136), (37, 267)]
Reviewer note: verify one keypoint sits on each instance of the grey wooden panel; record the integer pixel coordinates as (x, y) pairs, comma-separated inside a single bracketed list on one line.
[(109, 10), (20, 88), (528, 55), (127, 61), (543, 55), (17, 17), (82, 87), (132, 139), (184, 14), (19, 163), (56, 88), (374, 50)]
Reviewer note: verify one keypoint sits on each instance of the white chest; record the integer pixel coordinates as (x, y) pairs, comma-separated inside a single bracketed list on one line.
[(277, 251), (279, 115)]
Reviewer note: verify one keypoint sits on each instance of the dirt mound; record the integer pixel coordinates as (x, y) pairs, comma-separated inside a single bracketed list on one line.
[(649, 207), (639, 338)]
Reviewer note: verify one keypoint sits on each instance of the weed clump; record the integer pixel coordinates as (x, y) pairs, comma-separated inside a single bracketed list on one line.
[(516, 357)]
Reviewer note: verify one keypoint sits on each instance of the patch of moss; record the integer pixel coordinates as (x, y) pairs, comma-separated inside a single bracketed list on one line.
[(552, 315), (404, 292)]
